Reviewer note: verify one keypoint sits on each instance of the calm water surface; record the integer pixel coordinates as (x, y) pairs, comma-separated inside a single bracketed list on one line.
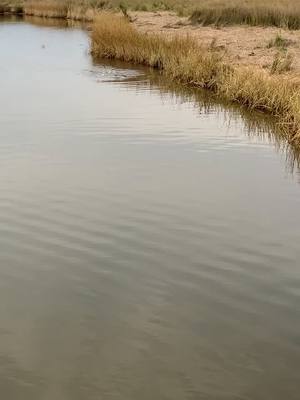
[(149, 241)]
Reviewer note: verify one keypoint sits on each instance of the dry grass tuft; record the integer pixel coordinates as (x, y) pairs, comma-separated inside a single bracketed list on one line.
[(279, 41), (282, 63), (185, 61), (179, 57)]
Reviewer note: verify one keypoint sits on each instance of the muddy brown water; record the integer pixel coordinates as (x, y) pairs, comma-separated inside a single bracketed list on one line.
[(149, 238)]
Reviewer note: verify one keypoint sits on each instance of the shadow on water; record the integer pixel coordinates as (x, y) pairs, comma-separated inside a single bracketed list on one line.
[(256, 125)]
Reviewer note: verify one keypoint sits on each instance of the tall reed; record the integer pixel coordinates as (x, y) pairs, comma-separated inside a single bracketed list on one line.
[(183, 60)]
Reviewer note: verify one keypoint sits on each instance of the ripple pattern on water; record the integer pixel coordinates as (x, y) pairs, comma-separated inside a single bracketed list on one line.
[(149, 242)]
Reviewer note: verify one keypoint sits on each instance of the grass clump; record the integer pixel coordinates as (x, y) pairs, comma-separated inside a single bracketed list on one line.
[(279, 42), (282, 63), (283, 60), (183, 60), (180, 58)]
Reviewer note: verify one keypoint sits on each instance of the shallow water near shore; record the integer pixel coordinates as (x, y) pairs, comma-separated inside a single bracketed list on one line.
[(149, 236)]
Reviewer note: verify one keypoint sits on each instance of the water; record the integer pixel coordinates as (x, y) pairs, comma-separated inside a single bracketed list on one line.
[(149, 238)]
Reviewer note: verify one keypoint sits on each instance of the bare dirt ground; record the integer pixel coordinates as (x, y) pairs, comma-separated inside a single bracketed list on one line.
[(240, 44)]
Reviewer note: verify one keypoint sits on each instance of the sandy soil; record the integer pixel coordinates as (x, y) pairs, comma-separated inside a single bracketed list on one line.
[(240, 44)]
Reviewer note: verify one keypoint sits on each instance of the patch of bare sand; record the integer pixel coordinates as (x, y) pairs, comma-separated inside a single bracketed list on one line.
[(242, 45)]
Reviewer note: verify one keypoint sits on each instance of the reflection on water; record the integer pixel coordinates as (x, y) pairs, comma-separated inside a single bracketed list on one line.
[(149, 236), (57, 23), (255, 124)]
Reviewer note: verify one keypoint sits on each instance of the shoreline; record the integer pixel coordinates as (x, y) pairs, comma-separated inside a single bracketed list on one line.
[(183, 60), (228, 75)]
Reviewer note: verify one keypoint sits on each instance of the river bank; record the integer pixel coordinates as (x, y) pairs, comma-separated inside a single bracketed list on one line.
[(182, 58), (258, 67)]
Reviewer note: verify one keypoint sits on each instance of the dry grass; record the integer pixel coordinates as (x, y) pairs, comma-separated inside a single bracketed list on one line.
[(184, 61), (183, 7), (283, 13), (46, 8), (113, 37), (279, 41), (280, 13), (84, 10), (282, 63)]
